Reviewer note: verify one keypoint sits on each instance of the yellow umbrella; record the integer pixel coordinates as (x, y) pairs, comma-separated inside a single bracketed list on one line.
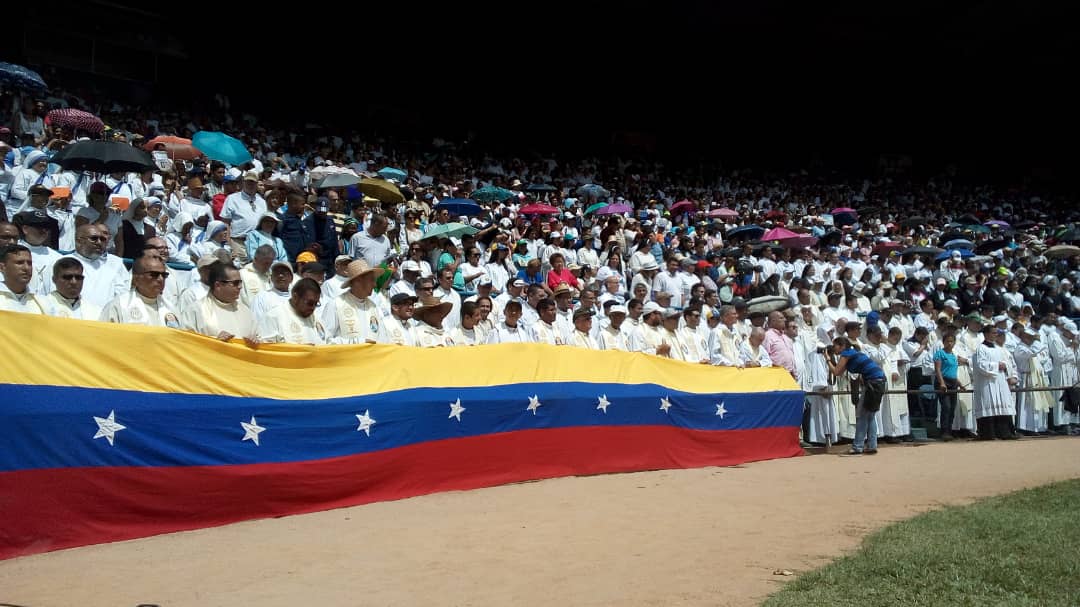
[(382, 190)]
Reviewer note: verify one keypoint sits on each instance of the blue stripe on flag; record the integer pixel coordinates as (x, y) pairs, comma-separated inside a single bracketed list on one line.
[(52, 427)]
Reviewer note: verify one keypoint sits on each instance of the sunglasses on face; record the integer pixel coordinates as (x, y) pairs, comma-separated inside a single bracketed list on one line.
[(153, 275), (76, 277)]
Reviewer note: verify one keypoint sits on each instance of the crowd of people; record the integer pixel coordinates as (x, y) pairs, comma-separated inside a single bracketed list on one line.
[(858, 289)]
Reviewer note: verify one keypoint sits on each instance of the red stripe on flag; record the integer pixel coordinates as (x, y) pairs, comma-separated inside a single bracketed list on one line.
[(60, 508)]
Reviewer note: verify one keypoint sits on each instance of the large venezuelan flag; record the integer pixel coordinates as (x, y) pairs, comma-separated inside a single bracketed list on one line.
[(116, 432)]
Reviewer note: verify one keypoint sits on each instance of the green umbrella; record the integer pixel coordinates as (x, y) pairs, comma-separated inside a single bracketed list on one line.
[(977, 229), (449, 230), (595, 206), (491, 194)]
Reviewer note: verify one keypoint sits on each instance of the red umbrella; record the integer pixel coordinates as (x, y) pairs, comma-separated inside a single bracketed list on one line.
[(538, 208), (724, 213), (775, 214), (683, 206), (177, 148), (75, 119), (841, 210), (884, 248), (779, 234)]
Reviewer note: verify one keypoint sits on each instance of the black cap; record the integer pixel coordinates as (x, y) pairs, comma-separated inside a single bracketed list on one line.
[(34, 218), (37, 189), (583, 313), (314, 267), (402, 298)]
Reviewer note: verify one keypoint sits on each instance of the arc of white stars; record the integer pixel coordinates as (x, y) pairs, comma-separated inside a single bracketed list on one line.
[(456, 410), (534, 404), (107, 427), (366, 422), (603, 403), (252, 430), (665, 404)]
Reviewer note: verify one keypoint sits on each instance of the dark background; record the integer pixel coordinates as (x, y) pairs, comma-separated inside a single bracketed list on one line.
[(986, 86)]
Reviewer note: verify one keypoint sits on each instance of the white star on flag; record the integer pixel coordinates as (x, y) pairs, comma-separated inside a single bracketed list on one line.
[(534, 404), (720, 410), (665, 404), (603, 403), (456, 409), (252, 430), (108, 427), (365, 422)]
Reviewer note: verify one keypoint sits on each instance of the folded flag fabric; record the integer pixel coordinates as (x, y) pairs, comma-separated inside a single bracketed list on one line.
[(116, 432)]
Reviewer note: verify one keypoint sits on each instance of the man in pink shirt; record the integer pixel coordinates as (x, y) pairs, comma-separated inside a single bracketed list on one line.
[(779, 346)]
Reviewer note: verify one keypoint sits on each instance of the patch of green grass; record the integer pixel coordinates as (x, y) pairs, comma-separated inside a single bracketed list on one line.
[(1018, 549)]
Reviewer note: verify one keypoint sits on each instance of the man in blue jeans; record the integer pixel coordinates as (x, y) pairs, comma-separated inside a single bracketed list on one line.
[(844, 358)]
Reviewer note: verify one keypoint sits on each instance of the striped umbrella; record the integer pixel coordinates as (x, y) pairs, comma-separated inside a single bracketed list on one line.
[(75, 119)]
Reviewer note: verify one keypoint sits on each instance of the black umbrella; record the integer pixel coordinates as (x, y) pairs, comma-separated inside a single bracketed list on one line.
[(1069, 236), (947, 236), (539, 187), (831, 238), (103, 157), (1025, 224), (913, 221), (985, 248), (921, 251), (968, 219)]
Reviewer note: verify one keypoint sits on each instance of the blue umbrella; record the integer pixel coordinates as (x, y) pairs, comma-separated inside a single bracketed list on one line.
[(17, 76), (964, 254), (459, 206), (219, 146), (959, 243), (389, 173), (750, 231), (591, 189)]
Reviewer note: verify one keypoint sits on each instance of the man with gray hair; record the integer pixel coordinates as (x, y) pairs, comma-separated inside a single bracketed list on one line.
[(752, 353), (105, 275)]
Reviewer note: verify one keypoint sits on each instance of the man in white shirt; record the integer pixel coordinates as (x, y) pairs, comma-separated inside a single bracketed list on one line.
[(444, 291), (36, 226), (18, 270), (335, 285), (294, 321), (143, 305), (220, 313), (752, 353), (242, 211), (670, 282), (353, 318), (256, 275), (281, 281), (583, 321), (105, 275), (399, 325), (66, 300), (410, 271), (612, 336)]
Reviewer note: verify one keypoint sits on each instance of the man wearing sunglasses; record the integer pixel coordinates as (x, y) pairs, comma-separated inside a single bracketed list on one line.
[(220, 313), (105, 275), (143, 305), (66, 300)]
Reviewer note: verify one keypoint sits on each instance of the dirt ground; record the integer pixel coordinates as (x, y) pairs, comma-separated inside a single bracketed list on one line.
[(711, 536)]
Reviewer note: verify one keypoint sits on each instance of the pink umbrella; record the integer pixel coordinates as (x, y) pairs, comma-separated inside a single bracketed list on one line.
[(683, 206), (798, 242), (538, 208), (841, 210), (724, 213), (75, 119), (615, 209), (779, 234)]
